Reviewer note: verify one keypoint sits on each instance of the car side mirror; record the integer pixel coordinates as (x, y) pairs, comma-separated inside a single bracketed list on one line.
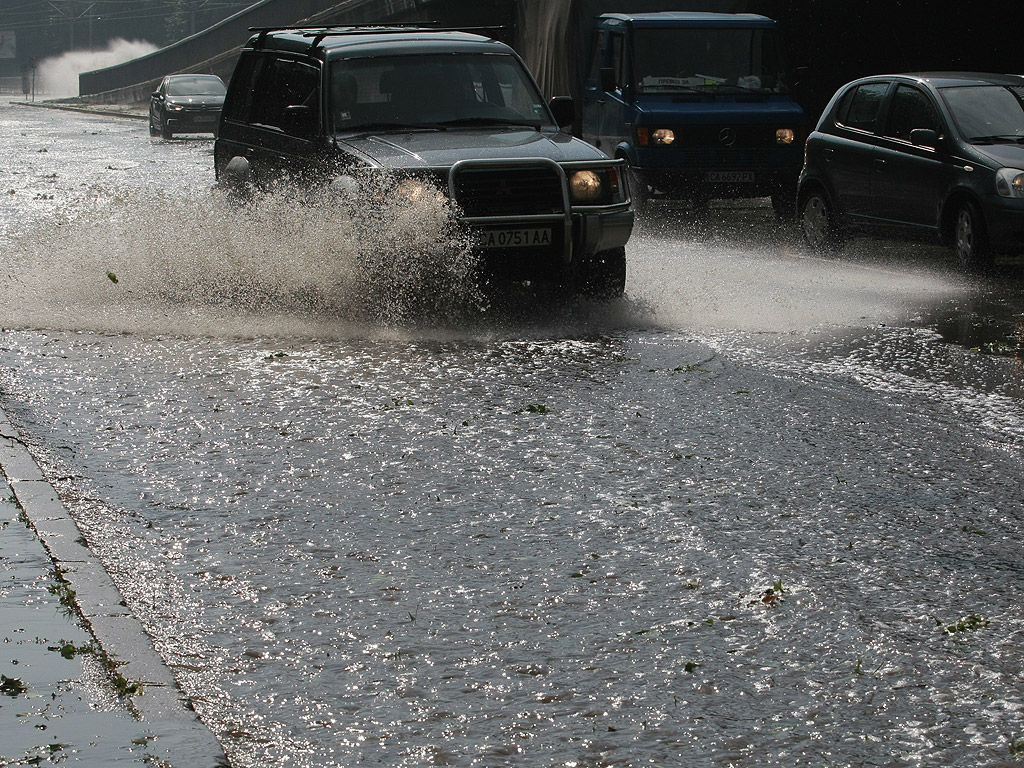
[(298, 120), (607, 79), (924, 137), (564, 110)]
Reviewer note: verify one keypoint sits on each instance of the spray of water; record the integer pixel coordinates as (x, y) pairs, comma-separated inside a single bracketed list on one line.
[(154, 261), (59, 75)]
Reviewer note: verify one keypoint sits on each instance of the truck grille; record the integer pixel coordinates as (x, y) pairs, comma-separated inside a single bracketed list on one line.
[(497, 191)]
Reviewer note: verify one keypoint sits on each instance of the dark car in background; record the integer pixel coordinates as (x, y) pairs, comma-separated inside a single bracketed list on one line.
[(186, 104), (376, 112), (935, 156)]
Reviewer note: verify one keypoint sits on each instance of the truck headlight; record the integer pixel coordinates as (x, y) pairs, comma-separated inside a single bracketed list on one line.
[(585, 186), (785, 135), (1010, 182), (658, 137)]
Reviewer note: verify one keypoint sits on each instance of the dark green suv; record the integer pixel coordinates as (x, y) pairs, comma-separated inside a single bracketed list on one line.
[(358, 110)]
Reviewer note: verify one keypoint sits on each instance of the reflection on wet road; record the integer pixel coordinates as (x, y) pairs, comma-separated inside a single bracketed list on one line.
[(760, 513)]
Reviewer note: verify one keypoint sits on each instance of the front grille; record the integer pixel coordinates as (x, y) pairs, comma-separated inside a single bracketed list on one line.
[(726, 136), (499, 191)]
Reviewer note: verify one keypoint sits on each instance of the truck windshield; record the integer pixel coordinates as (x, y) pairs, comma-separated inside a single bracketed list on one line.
[(433, 91), (708, 59)]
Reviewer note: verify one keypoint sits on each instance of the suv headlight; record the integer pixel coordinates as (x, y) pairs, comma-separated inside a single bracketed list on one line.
[(785, 135), (599, 186), (1010, 182), (417, 190)]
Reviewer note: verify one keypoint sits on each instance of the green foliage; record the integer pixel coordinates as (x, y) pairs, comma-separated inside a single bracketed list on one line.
[(12, 686), (969, 624)]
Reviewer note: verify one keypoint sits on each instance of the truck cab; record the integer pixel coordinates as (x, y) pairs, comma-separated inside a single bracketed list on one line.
[(697, 104)]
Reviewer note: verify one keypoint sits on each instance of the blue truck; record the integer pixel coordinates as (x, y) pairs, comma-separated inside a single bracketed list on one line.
[(698, 103)]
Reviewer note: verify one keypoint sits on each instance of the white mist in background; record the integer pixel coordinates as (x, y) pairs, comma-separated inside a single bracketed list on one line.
[(59, 75)]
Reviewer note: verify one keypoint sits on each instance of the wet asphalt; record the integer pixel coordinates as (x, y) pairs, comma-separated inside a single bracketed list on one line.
[(80, 680)]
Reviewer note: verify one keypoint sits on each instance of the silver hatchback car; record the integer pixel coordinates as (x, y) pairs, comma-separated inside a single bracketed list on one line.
[(936, 156)]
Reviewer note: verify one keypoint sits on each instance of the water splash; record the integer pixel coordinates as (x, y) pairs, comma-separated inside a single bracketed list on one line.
[(152, 260), (59, 75)]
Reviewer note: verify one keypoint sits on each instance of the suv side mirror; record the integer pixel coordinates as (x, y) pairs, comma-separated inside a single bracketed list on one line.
[(299, 120), (924, 137), (564, 110), (607, 79)]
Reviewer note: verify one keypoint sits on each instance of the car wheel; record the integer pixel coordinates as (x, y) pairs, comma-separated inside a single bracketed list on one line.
[(152, 126), (818, 223), (970, 239), (165, 130), (604, 276)]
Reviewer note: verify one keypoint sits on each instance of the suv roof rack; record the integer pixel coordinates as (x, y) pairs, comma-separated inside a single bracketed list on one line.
[(320, 31)]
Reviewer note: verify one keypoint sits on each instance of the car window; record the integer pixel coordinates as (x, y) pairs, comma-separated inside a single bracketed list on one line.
[(239, 98), (288, 97), (860, 106), (911, 108), (986, 113)]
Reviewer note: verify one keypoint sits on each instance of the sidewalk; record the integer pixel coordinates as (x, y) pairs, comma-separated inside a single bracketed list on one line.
[(69, 645)]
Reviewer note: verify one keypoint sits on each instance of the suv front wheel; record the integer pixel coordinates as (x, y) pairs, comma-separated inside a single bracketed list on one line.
[(817, 221)]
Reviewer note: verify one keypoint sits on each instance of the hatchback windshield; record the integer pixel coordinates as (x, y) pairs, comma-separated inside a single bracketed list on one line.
[(673, 60), (434, 91), (987, 114)]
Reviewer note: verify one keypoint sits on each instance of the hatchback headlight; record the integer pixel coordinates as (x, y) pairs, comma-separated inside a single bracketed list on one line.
[(1010, 182)]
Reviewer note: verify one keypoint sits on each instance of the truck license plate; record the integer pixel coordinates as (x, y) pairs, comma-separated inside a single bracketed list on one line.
[(731, 177), (524, 237)]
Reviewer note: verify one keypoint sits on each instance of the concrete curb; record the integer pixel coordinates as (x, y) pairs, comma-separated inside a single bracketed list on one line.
[(162, 704)]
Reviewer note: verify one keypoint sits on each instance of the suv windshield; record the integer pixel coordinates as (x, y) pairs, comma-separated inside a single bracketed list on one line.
[(986, 114), (730, 60), (433, 91)]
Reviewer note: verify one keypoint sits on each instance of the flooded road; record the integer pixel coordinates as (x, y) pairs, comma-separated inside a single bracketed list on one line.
[(765, 511)]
